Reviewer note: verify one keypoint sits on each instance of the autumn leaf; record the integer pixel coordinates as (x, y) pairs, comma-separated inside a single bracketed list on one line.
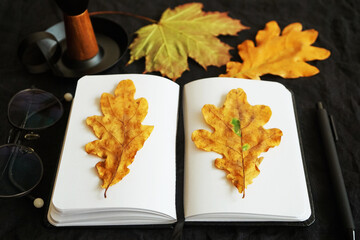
[(238, 135), (184, 32), (284, 55), (120, 132)]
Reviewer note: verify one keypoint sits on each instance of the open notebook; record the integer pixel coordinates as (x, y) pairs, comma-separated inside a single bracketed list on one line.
[(147, 194)]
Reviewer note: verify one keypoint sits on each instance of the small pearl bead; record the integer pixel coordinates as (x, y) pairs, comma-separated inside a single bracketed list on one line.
[(38, 202), (68, 97)]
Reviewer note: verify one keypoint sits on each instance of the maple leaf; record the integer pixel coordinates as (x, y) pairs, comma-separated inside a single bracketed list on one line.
[(120, 132), (184, 32), (238, 135), (284, 55)]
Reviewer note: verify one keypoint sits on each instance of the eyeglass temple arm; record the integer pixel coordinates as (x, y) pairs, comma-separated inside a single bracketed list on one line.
[(67, 97), (10, 136), (29, 115)]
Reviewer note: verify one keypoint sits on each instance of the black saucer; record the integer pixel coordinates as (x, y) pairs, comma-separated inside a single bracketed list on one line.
[(111, 38)]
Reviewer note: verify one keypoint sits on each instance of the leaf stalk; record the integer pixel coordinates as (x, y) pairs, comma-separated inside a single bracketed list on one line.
[(123, 13)]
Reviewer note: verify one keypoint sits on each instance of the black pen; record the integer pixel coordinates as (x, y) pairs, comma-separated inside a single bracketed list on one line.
[(328, 133)]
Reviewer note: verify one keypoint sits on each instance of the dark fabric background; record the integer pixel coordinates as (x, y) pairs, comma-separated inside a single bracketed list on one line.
[(337, 85)]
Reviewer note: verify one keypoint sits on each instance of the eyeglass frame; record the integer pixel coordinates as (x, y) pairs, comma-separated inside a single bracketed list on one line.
[(16, 140)]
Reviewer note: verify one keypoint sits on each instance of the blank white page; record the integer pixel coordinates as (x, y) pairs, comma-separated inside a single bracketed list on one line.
[(150, 184), (279, 192)]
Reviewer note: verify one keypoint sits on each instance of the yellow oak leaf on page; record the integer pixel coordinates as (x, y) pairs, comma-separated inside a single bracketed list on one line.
[(238, 135), (120, 132)]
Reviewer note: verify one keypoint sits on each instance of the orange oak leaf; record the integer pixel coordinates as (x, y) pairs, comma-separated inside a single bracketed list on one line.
[(238, 135), (183, 32), (120, 132), (283, 55)]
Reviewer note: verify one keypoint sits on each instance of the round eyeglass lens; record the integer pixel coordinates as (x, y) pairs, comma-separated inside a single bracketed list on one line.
[(21, 170), (34, 109)]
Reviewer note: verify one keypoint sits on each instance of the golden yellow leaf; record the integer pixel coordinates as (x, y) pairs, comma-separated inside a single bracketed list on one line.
[(120, 132), (238, 135), (284, 55), (183, 32)]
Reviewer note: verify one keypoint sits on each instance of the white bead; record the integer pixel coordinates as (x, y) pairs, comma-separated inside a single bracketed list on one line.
[(68, 97), (38, 202)]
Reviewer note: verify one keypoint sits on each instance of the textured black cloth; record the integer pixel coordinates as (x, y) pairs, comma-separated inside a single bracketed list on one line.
[(337, 86)]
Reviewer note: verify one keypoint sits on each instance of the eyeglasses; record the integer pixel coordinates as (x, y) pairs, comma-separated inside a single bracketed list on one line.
[(21, 168)]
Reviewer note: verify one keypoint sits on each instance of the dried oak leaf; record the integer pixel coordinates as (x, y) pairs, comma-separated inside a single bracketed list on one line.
[(184, 32), (238, 135), (284, 55), (120, 132)]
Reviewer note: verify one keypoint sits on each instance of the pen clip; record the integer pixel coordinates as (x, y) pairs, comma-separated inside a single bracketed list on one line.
[(333, 128)]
